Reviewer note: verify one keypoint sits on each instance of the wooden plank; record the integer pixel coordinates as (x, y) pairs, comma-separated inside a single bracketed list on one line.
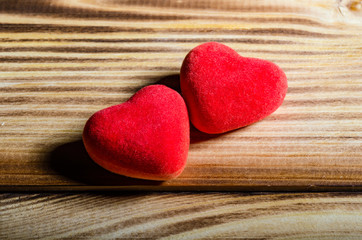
[(61, 61), (181, 216)]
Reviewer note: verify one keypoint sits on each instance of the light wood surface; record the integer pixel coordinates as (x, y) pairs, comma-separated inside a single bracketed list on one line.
[(63, 60), (181, 216)]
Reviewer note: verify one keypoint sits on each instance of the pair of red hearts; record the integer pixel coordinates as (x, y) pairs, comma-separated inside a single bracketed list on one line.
[(149, 135)]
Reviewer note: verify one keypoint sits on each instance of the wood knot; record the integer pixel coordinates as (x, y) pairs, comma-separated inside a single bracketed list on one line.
[(351, 5)]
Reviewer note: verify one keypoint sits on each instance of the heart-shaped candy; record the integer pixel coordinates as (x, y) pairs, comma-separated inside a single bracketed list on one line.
[(146, 137), (225, 91)]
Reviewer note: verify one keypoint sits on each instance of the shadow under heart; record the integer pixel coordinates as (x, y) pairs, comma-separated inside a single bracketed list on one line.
[(72, 161)]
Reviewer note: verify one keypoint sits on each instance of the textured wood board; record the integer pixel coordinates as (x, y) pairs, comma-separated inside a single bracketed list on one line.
[(62, 61), (181, 216)]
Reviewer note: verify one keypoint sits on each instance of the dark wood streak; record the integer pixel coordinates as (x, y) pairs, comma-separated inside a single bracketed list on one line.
[(238, 138), (336, 77), (79, 77), (49, 113), (77, 59), (323, 89), (61, 100), (264, 174), (145, 67), (273, 117), (146, 40), (104, 49), (320, 116), (111, 100), (214, 199), (149, 50), (293, 52), (335, 101), (320, 235), (90, 69), (52, 28), (122, 89), (328, 68)]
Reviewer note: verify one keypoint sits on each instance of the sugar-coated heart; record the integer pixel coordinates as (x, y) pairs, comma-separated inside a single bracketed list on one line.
[(146, 137), (225, 91)]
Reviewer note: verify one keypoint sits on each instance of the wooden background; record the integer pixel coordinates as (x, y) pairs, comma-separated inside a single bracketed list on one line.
[(63, 60)]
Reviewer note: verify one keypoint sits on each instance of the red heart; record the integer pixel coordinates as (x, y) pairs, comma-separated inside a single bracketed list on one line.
[(146, 137), (225, 91)]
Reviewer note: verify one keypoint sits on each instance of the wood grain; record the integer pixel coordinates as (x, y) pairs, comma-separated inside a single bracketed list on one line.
[(63, 60), (181, 216)]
